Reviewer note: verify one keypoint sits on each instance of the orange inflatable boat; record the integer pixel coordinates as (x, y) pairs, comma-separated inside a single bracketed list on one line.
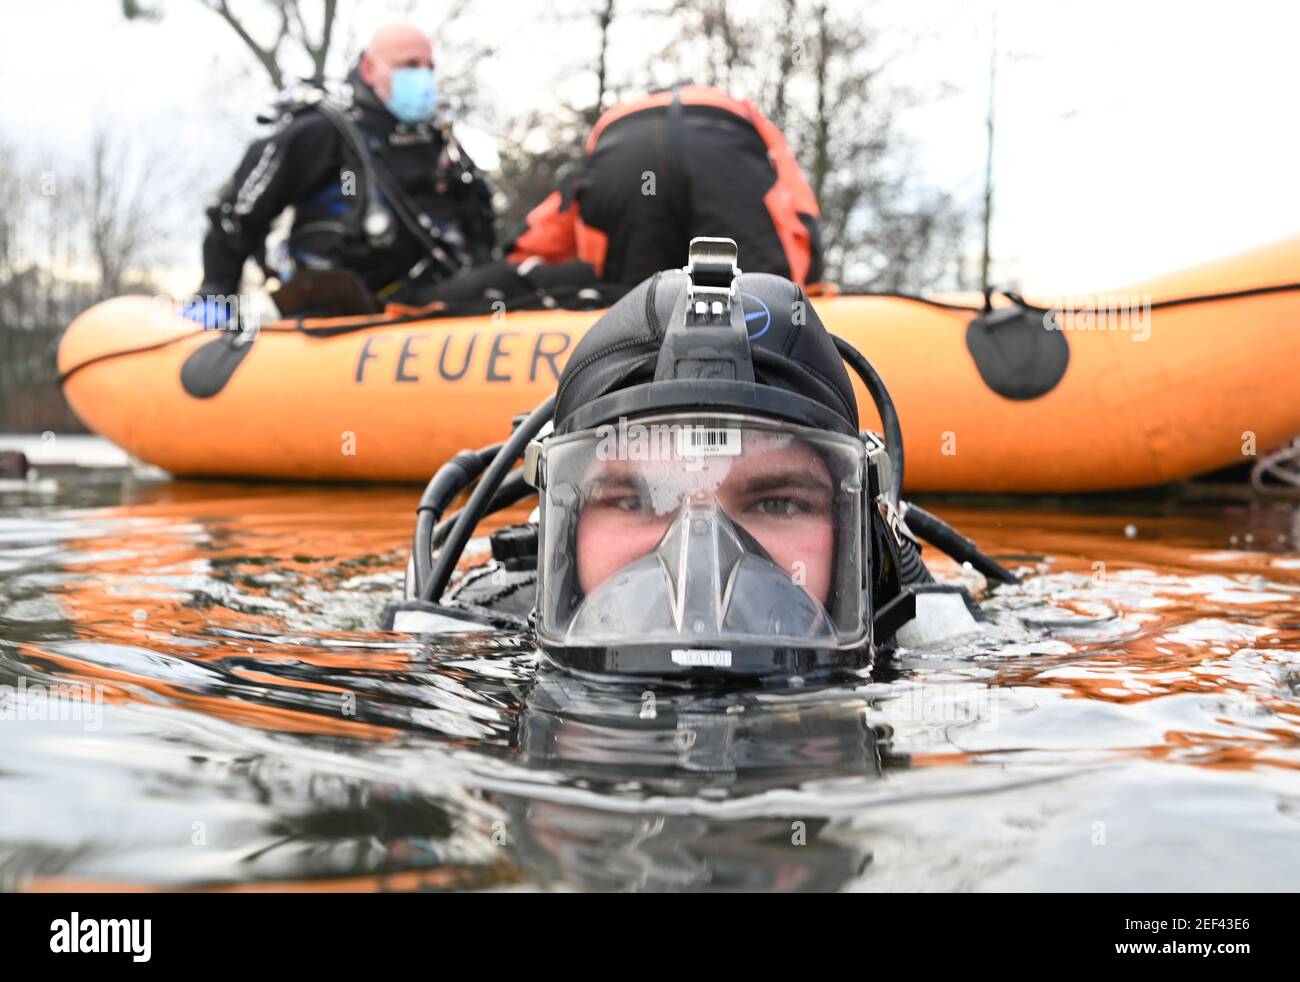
[(1158, 381)]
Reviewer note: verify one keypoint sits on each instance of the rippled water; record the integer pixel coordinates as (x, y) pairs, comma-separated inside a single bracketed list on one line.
[(1130, 720)]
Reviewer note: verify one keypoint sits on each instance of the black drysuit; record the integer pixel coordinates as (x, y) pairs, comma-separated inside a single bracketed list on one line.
[(307, 164)]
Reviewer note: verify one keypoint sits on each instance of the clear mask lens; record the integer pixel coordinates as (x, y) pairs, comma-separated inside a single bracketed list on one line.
[(707, 530)]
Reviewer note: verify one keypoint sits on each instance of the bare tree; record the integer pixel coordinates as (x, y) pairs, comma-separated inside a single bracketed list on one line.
[(291, 32), (604, 17), (882, 228), (716, 45), (790, 49), (291, 36), (537, 152), (309, 38), (71, 233), (540, 148), (118, 208), (821, 74), (986, 218)]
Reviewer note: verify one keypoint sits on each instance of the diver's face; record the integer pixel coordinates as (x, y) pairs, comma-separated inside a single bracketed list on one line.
[(780, 492), (398, 46)]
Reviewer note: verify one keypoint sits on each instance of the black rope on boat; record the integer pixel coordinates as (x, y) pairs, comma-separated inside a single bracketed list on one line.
[(298, 325), (109, 356)]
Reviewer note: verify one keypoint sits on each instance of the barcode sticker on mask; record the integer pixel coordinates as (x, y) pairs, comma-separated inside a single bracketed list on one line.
[(708, 441)]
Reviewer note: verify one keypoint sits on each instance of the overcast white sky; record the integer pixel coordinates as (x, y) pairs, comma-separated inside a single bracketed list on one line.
[(1133, 137)]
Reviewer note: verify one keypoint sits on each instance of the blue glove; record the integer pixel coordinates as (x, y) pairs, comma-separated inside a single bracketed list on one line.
[(214, 311)]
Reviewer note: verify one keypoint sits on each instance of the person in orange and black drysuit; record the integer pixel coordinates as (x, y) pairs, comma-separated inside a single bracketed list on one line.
[(657, 172), (674, 165)]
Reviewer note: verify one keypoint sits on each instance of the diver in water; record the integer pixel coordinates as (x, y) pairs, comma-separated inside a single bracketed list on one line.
[(707, 502)]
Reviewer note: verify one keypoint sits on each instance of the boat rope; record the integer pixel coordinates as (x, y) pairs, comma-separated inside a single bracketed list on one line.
[(299, 325)]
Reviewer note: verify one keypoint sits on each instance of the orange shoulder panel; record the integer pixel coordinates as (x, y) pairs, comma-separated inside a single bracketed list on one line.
[(593, 244), (787, 199), (692, 95), (788, 172)]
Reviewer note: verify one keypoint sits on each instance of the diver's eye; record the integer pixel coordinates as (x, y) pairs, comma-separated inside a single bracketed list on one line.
[(630, 503), (619, 498), (781, 507)]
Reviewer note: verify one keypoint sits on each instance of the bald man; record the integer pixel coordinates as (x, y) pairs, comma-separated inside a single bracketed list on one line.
[(378, 186)]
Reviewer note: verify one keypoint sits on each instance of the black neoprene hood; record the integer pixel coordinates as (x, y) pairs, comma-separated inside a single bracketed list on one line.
[(798, 373)]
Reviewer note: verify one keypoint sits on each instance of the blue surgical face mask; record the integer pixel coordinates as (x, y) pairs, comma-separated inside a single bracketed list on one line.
[(415, 95)]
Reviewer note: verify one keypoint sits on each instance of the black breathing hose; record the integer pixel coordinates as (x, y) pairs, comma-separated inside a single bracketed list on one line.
[(450, 480), (481, 498), (513, 490), (940, 534), (884, 406), (931, 528)]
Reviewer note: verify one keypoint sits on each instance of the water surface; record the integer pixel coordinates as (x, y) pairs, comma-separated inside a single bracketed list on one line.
[(1129, 721)]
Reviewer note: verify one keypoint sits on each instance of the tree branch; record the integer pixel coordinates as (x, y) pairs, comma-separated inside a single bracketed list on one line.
[(267, 58)]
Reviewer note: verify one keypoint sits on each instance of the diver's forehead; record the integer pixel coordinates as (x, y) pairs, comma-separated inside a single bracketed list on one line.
[(401, 43)]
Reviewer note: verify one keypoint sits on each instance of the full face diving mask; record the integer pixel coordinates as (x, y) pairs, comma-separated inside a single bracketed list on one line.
[(717, 528), (690, 538), (655, 560)]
